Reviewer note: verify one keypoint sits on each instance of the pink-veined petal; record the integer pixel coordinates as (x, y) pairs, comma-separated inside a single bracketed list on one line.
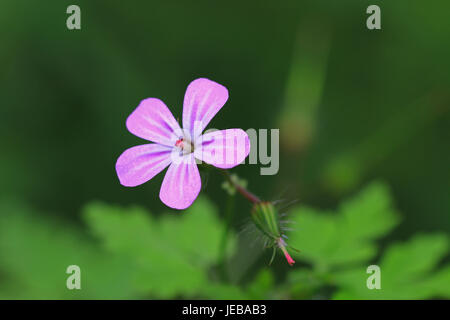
[(202, 100), (181, 184), (153, 121), (223, 148), (139, 164)]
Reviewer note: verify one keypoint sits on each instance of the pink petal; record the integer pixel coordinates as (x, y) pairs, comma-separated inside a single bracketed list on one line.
[(181, 184), (223, 148), (139, 164), (153, 121), (202, 100)]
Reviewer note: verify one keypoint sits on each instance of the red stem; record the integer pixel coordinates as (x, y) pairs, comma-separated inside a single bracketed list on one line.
[(244, 192)]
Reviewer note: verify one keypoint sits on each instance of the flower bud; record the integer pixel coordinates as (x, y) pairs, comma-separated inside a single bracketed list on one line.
[(265, 217)]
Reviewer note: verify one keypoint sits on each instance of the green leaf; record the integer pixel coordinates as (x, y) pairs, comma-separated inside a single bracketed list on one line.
[(369, 215), (303, 283), (313, 233), (257, 289), (261, 285), (329, 240), (440, 282), (171, 255), (413, 259), (407, 272), (35, 253), (198, 232), (139, 256)]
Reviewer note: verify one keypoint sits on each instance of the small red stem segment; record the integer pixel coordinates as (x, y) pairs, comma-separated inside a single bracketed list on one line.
[(254, 199), (244, 192)]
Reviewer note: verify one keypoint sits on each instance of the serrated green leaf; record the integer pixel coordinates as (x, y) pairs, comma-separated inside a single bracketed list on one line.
[(411, 260), (35, 254), (313, 234), (257, 289), (171, 254), (222, 291), (329, 240), (199, 233), (369, 214)]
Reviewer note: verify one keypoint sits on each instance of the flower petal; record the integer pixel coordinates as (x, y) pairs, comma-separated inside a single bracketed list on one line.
[(181, 184), (139, 164), (153, 121), (202, 100), (223, 148)]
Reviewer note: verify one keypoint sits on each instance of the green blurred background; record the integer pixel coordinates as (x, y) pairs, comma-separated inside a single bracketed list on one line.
[(352, 105)]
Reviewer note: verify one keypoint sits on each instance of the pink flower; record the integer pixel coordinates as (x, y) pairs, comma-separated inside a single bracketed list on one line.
[(178, 148)]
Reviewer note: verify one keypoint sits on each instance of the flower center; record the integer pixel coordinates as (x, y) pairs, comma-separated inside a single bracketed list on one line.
[(184, 145)]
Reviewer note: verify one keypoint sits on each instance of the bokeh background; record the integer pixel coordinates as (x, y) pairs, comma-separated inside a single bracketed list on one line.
[(362, 115)]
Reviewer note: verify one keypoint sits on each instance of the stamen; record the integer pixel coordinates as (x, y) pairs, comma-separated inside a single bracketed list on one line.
[(179, 143), (185, 146)]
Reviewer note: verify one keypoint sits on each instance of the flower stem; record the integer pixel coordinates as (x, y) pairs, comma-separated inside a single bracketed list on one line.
[(244, 192), (229, 213), (263, 215)]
